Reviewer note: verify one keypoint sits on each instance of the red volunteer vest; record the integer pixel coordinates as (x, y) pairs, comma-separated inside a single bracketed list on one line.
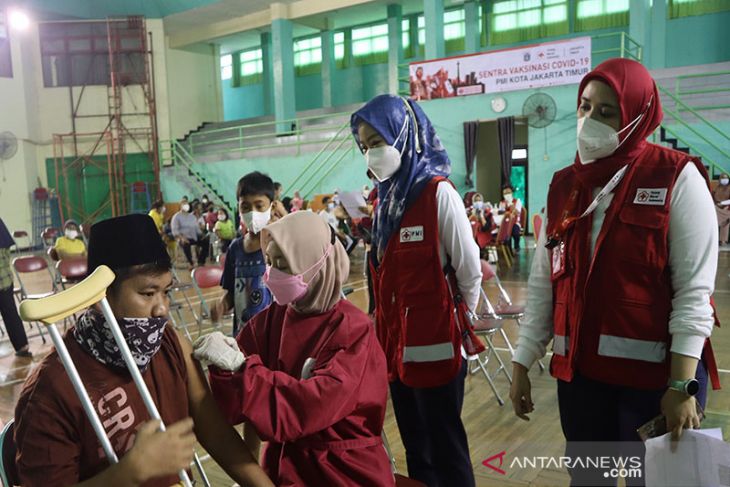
[(415, 318), (615, 330)]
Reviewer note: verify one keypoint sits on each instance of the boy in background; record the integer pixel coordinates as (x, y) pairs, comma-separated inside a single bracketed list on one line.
[(245, 265)]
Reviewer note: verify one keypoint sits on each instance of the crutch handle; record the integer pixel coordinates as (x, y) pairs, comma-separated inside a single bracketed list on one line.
[(64, 304)]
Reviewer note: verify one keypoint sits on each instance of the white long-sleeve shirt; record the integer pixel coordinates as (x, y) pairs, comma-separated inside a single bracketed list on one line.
[(693, 252), (456, 241)]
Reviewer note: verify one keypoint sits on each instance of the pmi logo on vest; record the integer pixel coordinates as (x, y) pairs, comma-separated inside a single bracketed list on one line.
[(411, 234), (612, 466)]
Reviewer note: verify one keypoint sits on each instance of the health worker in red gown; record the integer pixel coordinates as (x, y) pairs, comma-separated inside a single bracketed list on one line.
[(308, 373)]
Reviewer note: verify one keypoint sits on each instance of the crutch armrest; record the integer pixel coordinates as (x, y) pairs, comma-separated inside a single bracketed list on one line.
[(62, 305)]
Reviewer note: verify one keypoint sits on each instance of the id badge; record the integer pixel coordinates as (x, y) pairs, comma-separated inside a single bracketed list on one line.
[(558, 260)]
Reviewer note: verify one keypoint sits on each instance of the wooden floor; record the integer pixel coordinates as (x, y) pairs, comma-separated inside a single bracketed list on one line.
[(492, 429)]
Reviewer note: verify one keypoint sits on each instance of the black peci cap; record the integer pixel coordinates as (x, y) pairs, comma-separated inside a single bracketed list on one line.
[(126, 241)]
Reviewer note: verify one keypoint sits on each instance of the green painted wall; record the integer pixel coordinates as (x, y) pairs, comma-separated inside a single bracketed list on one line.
[(87, 184), (702, 39)]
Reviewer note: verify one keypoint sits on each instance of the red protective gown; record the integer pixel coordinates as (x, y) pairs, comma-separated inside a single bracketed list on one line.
[(321, 430)]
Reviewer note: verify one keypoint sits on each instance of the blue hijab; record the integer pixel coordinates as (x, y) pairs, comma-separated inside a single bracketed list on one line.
[(423, 159)]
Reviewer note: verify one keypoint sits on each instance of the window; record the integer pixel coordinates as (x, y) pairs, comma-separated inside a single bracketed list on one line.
[(454, 30), (76, 54), (308, 55), (519, 154), (6, 65), (339, 46), (685, 8), (370, 44), (226, 66), (601, 14), (251, 66), (522, 20)]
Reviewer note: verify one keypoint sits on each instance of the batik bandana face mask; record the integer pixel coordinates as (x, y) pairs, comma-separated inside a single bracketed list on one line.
[(143, 336)]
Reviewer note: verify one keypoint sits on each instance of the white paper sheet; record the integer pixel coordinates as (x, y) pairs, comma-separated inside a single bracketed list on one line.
[(700, 460), (352, 202)]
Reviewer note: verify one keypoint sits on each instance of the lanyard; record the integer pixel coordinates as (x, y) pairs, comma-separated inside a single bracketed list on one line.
[(567, 221)]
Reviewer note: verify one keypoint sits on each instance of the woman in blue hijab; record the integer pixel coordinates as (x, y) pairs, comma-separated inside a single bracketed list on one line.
[(424, 262)]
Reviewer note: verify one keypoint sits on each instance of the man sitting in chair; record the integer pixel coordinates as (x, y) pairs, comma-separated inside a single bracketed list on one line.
[(70, 244), (56, 443)]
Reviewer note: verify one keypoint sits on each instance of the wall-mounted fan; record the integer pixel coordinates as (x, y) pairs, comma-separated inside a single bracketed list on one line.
[(540, 111), (8, 147)]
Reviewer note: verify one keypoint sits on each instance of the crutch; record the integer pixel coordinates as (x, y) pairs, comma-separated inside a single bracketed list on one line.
[(55, 308)]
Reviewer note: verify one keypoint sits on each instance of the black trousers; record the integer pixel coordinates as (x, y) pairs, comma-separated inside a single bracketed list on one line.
[(13, 323), (429, 420), (601, 419), (202, 244)]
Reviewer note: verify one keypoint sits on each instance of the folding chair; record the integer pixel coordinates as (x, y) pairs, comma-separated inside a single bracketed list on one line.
[(499, 243), (71, 270), (206, 277), (48, 237), (52, 309), (8, 471), (33, 264), (505, 309), (177, 306), (21, 235)]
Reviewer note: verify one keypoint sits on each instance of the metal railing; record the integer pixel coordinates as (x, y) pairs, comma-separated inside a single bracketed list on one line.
[(627, 48), (239, 139), (681, 106), (722, 88), (177, 155)]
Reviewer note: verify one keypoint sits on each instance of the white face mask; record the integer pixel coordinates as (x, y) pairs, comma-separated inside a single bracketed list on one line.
[(222, 217), (72, 234), (384, 161), (185, 207), (509, 197), (724, 181), (330, 206), (256, 220), (479, 205), (597, 140)]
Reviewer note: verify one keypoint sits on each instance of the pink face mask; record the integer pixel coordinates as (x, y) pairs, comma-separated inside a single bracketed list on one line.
[(287, 288)]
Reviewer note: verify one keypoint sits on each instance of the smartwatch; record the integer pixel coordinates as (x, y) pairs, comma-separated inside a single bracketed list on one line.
[(690, 386)]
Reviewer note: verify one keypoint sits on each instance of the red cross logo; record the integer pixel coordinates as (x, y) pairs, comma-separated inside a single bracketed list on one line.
[(643, 196)]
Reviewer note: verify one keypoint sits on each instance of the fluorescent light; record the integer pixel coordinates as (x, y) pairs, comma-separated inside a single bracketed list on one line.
[(18, 20)]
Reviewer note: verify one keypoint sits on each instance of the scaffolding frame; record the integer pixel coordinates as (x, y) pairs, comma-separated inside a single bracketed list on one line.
[(123, 127)]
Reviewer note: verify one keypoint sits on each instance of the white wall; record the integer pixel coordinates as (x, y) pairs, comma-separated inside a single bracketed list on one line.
[(186, 97), (193, 91)]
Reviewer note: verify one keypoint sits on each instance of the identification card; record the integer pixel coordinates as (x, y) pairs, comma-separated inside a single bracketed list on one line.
[(558, 260)]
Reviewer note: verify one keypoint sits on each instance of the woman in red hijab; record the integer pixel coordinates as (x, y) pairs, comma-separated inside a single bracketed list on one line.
[(622, 277)]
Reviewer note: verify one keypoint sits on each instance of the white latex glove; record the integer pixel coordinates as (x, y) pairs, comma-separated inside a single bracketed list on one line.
[(219, 350)]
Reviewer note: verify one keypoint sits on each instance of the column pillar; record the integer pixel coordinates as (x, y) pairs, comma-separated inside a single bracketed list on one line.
[(433, 13), (471, 27), (328, 66), (283, 73), (395, 46)]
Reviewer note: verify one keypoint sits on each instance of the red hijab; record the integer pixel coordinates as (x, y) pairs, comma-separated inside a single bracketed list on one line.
[(635, 90)]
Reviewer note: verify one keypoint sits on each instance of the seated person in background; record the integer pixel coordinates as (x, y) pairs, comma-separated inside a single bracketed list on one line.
[(70, 244), (344, 230), (277, 191), (224, 229), (8, 307), (313, 380), (56, 444), (157, 213), (187, 232), (721, 196), (210, 217), (481, 213), (244, 268), (511, 207), (296, 202), (328, 213), (286, 201)]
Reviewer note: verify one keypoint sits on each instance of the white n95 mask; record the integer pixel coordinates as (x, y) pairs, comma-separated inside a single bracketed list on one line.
[(256, 220), (597, 140), (383, 161)]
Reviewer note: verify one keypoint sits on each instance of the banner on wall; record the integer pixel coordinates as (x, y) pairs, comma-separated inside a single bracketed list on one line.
[(536, 66)]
